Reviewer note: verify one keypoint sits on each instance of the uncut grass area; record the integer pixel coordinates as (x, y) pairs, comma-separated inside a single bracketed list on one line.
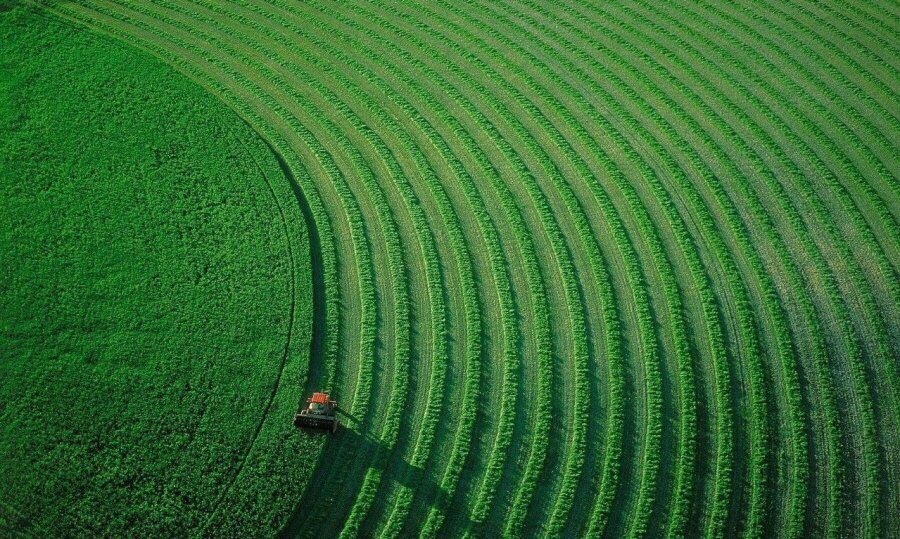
[(583, 268), (155, 302)]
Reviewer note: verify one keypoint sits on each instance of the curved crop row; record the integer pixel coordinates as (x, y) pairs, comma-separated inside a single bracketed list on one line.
[(801, 182), (687, 455), (576, 460), (755, 518), (557, 521), (511, 349), (784, 339), (538, 451), (417, 459)]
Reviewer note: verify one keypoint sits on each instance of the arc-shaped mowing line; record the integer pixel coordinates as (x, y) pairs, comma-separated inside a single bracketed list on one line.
[(422, 232), (531, 62), (773, 227), (425, 437), (532, 149), (886, 227), (510, 347), (687, 455), (397, 516), (724, 159), (864, 291), (827, 62), (674, 108), (429, 519), (888, 231), (418, 459), (556, 241), (574, 463), (872, 320), (561, 508), (410, 197), (365, 371), (783, 342), (400, 384), (873, 62), (220, 85)]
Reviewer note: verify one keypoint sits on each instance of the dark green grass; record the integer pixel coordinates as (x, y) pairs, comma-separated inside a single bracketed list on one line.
[(155, 300)]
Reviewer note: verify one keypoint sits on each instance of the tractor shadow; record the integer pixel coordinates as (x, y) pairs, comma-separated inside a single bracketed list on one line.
[(356, 444)]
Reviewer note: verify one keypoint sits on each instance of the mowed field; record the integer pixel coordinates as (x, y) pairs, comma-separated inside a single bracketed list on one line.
[(608, 268)]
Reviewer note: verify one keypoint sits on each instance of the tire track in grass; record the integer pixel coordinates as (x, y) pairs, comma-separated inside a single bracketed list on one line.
[(434, 389), (430, 520), (417, 458), (287, 345)]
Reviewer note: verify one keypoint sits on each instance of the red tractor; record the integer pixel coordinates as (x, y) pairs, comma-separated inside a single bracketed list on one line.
[(320, 413)]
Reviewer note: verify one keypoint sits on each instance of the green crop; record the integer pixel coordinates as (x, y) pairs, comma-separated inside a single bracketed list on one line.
[(578, 269)]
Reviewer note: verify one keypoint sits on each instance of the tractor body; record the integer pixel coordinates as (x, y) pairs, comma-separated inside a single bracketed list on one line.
[(320, 413)]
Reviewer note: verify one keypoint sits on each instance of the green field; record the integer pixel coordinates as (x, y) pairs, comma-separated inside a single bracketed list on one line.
[(622, 269)]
